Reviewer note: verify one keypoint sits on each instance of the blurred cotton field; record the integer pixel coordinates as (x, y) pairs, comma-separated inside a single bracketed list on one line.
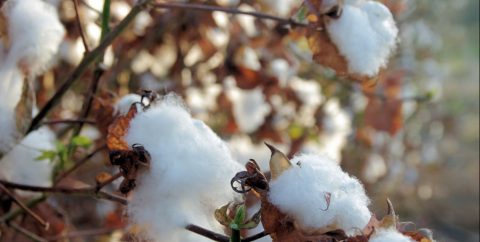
[(379, 100)]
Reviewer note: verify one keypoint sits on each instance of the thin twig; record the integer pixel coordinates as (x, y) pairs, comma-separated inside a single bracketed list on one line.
[(87, 191), (68, 121), (108, 181), (203, 7), (35, 216), (207, 233), (14, 213), (87, 60), (27, 233), (87, 105), (90, 7), (79, 163), (80, 27)]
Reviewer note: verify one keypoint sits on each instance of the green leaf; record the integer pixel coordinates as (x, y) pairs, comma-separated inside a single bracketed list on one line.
[(302, 13), (252, 222), (239, 217), (47, 155), (82, 141)]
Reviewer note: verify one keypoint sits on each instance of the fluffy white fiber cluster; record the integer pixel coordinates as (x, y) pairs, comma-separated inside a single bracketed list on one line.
[(390, 235), (20, 164), (34, 34), (189, 174), (300, 193), (365, 35)]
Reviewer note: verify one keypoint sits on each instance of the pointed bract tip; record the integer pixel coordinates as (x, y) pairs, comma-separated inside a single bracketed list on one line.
[(271, 147), (390, 210)]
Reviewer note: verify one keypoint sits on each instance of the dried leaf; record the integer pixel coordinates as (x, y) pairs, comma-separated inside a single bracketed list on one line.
[(23, 110), (103, 111), (118, 129), (102, 177), (221, 215), (384, 108)]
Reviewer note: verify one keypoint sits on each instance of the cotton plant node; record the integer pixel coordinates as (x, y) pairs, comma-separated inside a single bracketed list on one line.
[(361, 55), (251, 178)]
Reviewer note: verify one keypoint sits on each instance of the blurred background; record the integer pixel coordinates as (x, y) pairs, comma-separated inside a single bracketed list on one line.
[(413, 137)]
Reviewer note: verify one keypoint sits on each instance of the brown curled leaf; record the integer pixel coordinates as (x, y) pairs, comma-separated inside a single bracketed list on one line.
[(118, 129)]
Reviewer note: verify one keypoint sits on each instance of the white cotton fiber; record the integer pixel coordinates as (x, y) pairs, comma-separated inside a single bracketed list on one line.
[(189, 175), (300, 193), (390, 235), (20, 164), (35, 33), (365, 35), (124, 103), (249, 108)]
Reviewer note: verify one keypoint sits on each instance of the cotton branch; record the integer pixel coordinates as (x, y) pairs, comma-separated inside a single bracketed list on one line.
[(79, 163), (87, 60), (209, 8), (87, 191), (24, 207), (80, 27)]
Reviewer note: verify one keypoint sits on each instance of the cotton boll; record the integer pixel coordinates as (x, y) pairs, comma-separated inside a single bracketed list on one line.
[(20, 164), (365, 35), (390, 235), (35, 33), (189, 174), (300, 193), (249, 108)]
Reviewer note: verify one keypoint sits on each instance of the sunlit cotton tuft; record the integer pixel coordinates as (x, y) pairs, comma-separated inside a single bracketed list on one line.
[(35, 32), (189, 174), (301, 192), (365, 35), (390, 235)]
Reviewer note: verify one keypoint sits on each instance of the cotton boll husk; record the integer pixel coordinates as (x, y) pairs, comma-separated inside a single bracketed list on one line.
[(365, 35), (300, 193), (35, 32), (390, 235), (189, 174), (20, 164)]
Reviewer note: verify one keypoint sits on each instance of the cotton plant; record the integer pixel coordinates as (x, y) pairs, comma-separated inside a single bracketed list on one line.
[(319, 196), (189, 168), (356, 38)]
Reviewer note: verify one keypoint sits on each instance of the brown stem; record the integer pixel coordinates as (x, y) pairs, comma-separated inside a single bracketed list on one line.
[(68, 121), (35, 216), (80, 27), (110, 180), (27, 233), (79, 163), (12, 214), (202, 7), (87, 105), (87, 60), (207, 233), (87, 191)]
